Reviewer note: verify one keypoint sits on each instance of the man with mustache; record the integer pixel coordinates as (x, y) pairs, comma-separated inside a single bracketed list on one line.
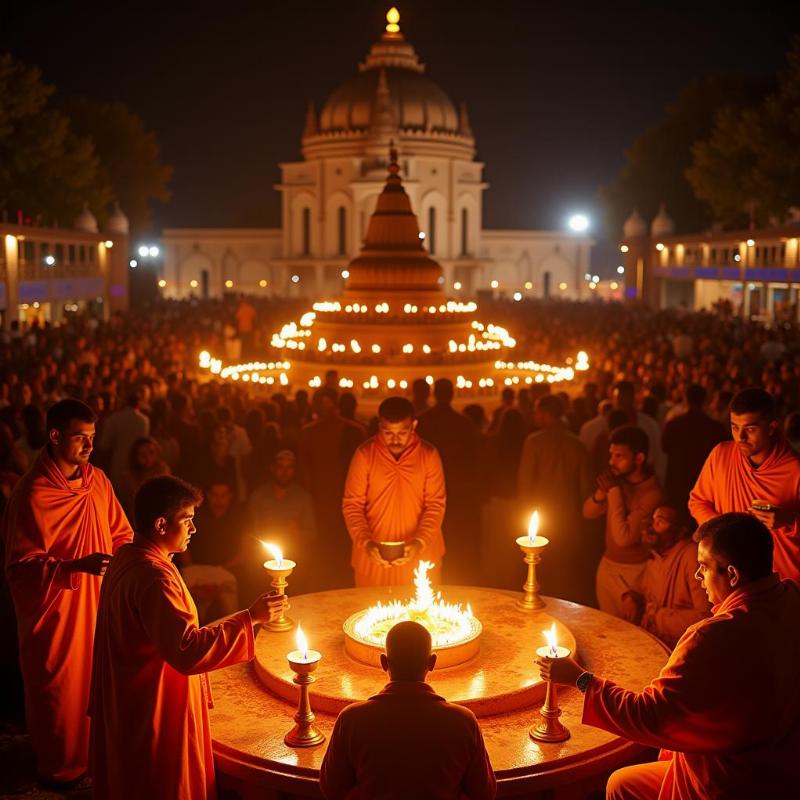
[(757, 473)]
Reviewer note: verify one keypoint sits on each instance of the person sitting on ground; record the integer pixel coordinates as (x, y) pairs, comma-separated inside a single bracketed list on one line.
[(671, 599), (722, 734), (441, 741)]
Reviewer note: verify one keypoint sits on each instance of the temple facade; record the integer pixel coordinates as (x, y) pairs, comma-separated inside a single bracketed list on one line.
[(329, 196)]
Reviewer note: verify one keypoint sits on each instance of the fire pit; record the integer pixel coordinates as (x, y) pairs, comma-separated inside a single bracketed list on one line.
[(454, 629)]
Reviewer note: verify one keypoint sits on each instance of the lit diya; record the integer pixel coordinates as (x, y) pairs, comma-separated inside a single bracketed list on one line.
[(455, 632)]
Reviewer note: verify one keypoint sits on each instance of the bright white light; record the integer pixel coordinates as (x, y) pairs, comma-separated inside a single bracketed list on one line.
[(659, 247), (144, 251), (750, 242), (133, 263), (588, 276), (621, 270), (596, 278), (562, 286), (457, 286), (262, 283), (422, 234), (229, 284), (295, 279), (108, 243), (528, 285), (162, 283), (494, 284), (49, 260), (153, 251), (623, 248), (345, 273), (578, 223), (518, 296), (193, 284)]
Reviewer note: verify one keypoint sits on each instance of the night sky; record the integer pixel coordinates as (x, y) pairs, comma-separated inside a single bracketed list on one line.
[(556, 90)]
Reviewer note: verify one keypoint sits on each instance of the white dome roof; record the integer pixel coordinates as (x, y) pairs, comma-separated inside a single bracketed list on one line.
[(118, 222), (85, 221), (634, 226), (662, 223)]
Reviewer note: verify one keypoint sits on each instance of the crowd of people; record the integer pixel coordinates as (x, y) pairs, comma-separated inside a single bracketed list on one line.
[(682, 417)]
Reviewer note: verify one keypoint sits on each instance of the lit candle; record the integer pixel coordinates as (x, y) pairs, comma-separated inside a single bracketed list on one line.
[(277, 562), (533, 539), (552, 649), (303, 655)]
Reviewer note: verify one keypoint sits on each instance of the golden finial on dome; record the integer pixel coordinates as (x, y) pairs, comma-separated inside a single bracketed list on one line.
[(392, 18)]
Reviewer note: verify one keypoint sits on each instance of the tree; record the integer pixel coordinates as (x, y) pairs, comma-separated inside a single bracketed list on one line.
[(47, 171), (129, 156), (748, 168), (656, 163)]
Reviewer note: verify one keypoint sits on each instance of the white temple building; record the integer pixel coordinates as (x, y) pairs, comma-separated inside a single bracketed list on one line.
[(328, 197)]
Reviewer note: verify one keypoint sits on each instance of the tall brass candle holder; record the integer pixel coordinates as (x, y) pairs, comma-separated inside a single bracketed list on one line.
[(279, 569), (532, 546), (303, 662), (550, 728)]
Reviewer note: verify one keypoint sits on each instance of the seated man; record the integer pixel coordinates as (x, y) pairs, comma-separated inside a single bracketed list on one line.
[(282, 512), (671, 598), (149, 697), (407, 742), (723, 732)]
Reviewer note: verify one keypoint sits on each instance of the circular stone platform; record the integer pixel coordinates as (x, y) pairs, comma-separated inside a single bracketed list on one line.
[(501, 677)]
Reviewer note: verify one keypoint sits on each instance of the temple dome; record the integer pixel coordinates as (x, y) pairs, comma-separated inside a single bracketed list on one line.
[(416, 101)]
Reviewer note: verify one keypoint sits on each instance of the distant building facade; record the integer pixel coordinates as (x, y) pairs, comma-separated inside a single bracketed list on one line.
[(45, 273), (328, 197), (757, 271)]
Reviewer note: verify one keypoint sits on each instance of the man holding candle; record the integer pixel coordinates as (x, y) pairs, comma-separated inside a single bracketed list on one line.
[(407, 742), (725, 709), (627, 493), (759, 473), (149, 699), (394, 492)]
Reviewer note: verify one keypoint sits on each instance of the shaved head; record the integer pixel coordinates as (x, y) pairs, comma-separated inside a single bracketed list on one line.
[(408, 652)]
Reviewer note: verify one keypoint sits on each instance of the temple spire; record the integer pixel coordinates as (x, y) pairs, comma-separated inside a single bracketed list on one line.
[(311, 127)]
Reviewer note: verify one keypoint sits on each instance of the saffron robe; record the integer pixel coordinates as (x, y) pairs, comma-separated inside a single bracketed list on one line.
[(390, 500), (50, 520), (726, 704), (406, 742), (729, 482), (150, 696)]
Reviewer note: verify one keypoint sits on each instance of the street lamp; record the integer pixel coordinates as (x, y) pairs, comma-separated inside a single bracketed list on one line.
[(579, 223)]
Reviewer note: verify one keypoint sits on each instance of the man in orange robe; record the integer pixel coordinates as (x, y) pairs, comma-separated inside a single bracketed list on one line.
[(407, 742), (758, 473), (61, 524), (725, 709), (149, 700), (394, 492)]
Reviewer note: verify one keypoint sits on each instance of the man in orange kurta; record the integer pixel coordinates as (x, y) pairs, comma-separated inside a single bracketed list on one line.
[(149, 700), (394, 492), (407, 742), (61, 524), (725, 709), (671, 598), (758, 473)]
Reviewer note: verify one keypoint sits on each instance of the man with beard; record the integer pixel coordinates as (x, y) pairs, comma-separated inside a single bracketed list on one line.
[(61, 525), (394, 492), (671, 598), (627, 493), (757, 473)]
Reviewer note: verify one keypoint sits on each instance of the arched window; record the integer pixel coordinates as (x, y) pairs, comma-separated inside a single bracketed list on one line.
[(306, 231), (432, 230), (342, 220), (464, 232)]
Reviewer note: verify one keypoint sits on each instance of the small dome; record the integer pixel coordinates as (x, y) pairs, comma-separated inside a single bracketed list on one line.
[(662, 223), (634, 226), (85, 221), (118, 223), (417, 102)]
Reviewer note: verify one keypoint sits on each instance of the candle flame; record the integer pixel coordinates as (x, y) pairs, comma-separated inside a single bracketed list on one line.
[(274, 551), (552, 639), (533, 526), (301, 642)]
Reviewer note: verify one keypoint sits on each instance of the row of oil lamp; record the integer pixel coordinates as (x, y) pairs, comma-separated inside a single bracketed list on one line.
[(304, 661)]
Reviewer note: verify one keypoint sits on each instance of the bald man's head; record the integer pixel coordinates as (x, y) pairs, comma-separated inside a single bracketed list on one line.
[(408, 654)]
